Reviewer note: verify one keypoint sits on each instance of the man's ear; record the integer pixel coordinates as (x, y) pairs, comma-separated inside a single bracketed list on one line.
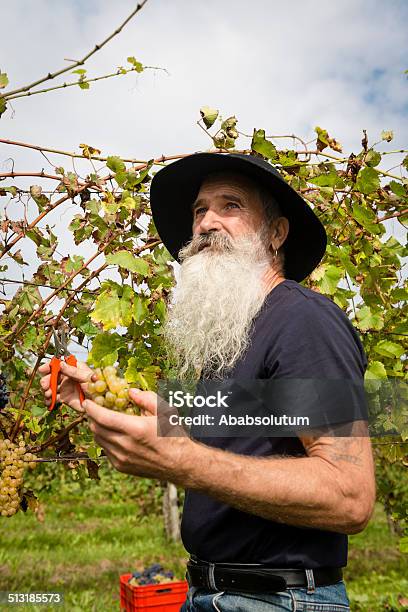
[(280, 232)]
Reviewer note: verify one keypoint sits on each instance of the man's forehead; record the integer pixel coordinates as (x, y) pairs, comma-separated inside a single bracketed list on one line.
[(230, 179)]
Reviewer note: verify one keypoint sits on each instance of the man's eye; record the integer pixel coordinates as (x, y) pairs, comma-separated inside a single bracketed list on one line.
[(232, 204), (197, 211)]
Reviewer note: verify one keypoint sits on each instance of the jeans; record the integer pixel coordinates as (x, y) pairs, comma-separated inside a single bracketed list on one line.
[(332, 598)]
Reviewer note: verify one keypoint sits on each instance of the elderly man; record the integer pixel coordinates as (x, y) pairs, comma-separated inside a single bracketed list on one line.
[(265, 519)]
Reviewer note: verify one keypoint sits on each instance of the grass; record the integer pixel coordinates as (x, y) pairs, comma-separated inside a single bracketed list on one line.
[(85, 543)]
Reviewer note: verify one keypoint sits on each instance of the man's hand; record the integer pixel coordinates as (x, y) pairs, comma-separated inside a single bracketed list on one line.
[(132, 444), (67, 391)]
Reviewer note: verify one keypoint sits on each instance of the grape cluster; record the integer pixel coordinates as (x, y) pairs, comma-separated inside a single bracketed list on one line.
[(110, 391), (13, 459), (3, 392), (155, 574)]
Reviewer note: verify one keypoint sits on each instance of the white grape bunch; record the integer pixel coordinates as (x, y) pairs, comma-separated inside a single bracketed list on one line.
[(110, 391), (14, 458)]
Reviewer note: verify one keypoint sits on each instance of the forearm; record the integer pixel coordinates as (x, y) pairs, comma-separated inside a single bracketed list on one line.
[(302, 491)]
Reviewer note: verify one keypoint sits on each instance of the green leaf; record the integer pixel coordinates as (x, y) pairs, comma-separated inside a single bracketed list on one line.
[(5, 190), (401, 328), (73, 263), (403, 545), (131, 203), (136, 65), (79, 71), (107, 309), (398, 189), (3, 80), (28, 298), (263, 146), (39, 198), (105, 348), (82, 323), (389, 349), (126, 301), (366, 217), (30, 338), (209, 115), (324, 140), (3, 105), (115, 164), (125, 259), (330, 179), (160, 309), (144, 379), (399, 295), (83, 85), (94, 451), (368, 180), (375, 370), (369, 320), (327, 277), (288, 159), (372, 158), (140, 310)]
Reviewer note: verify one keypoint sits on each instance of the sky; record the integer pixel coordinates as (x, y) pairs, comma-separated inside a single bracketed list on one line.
[(285, 67)]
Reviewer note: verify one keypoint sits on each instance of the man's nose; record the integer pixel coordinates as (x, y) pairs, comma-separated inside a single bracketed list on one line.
[(209, 222)]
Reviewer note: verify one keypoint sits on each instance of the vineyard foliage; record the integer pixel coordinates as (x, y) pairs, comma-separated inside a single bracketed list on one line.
[(111, 292)]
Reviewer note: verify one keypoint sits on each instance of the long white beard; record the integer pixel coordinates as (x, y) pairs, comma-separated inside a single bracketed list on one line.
[(219, 293)]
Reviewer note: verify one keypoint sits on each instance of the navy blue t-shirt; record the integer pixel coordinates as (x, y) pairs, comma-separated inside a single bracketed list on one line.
[(298, 334)]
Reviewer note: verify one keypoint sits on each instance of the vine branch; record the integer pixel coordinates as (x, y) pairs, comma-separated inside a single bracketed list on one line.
[(80, 62)]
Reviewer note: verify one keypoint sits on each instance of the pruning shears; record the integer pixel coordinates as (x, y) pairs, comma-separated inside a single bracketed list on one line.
[(61, 350)]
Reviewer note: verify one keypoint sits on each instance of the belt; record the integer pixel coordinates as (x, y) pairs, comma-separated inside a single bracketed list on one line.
[(255, 578)]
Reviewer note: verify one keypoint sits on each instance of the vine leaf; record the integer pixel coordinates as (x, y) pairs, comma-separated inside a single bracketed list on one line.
[(324, 140), (367, 319), (127, 260), (389, 349), (368, 180), (262, 146), (209, 115), (138, 66), (105, 349), (3, 80)]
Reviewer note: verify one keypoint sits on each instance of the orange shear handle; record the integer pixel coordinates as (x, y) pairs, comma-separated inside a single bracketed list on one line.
[(55, 366), (72, 361)]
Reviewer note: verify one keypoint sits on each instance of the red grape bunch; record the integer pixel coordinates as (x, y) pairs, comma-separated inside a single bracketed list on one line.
[(107, 389), (13, 459)]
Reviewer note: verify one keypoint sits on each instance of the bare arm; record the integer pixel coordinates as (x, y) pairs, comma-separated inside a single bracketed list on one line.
[(332, 488)]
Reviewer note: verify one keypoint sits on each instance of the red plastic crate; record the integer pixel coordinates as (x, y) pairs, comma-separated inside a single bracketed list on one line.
[(165, 597)]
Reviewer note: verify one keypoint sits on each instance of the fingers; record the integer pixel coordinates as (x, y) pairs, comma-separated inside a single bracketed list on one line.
[(108, 419), (76, 373), (146, 400), (44, 368), (47, 400), (45, 382)]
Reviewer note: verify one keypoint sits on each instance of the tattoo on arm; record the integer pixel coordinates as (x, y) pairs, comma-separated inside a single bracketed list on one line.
[(347, 449)]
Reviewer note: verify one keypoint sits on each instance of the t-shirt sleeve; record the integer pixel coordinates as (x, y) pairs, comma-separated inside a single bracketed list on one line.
[(315, 365)]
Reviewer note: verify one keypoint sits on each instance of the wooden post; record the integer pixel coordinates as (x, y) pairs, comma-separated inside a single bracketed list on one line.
[(171, 513)]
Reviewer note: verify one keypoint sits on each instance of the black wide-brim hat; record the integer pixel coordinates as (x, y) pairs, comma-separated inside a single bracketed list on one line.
[(174, 188)]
